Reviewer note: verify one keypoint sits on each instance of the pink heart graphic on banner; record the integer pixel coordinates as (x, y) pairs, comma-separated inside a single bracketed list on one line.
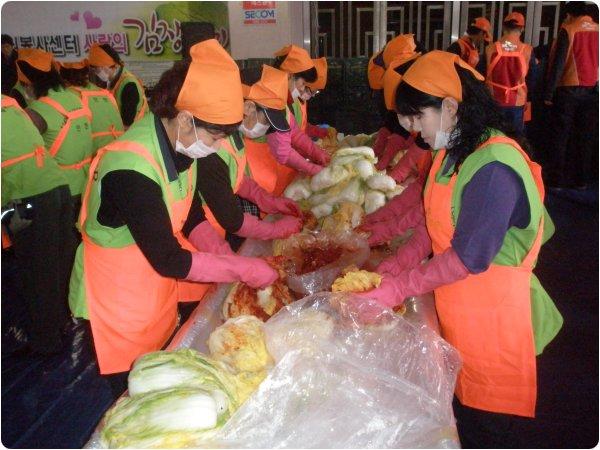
[(92, 22), (75, 16)]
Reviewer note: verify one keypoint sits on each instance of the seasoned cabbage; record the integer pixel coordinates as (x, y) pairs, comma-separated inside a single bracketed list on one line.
[(367, 152), (328, 177), (396, 191), (298, 189), (364, 168), (322, 210), (381, 182)]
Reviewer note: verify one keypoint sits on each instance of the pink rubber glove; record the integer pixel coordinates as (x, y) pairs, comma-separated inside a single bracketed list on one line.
[(314, 131), (209, 268), (250, 190), (380, 141), (442, 269), (206, 239), (280, 144), (410, 197), (408, 163), (393, 145), (306, 147), (384, 231), (252, 227), (408, 255)]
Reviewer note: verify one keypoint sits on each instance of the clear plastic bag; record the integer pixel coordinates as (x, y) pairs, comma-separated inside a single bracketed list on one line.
[(338, 384), (355, 250)]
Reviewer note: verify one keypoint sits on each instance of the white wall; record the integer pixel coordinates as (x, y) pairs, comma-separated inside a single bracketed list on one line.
[(261, 41)]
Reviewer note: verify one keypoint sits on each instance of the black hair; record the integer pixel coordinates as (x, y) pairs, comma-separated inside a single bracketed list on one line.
[(6, 39), (41, 81), (511, 25), (309, 75), (250, 75), (75, 77), (112, 53), (477, 114), (576, 9), (472, 29), (165, 93)]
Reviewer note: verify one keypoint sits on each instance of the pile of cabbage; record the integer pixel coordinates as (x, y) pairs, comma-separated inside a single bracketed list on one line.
[(351, 177), (181, 398)]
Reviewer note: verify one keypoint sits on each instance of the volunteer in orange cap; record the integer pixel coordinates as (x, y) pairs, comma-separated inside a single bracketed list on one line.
[(311, 90), (231, 195), (404, 211), (391, 137), (467, 47), (142, 218), (301, 70), (486, 219), (100, 103), (109, 71), (60, 117), (508, 69)]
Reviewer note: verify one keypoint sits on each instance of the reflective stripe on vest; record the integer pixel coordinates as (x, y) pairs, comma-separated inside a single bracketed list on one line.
[(37, 153), (487, 316), (468, 52), (64, 131), (501, 53)]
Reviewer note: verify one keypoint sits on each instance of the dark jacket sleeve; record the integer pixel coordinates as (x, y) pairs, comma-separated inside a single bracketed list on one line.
[(215, 187), (132, 199), (129, 102), (19, 98), (454, 48), (557, 65), (533, 76)]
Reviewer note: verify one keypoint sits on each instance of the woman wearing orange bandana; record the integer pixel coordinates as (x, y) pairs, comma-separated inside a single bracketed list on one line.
[(486, 219), (110, 72), (145, 237)]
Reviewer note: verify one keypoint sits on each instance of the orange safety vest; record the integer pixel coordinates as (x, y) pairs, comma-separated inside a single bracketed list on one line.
[(64, 131), (468, 52), (132, 309), (144, 108), (501, 92), (240, 161), (304, 115), (85, 95), (263, 166), (581, 65), (6, 242), (487, 316)]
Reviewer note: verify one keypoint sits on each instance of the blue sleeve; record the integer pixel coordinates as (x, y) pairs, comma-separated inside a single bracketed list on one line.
[(492, 202)]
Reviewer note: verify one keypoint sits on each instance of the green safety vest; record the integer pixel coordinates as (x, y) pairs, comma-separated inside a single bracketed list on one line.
[(74, 153), (117, 90), (546, 319), (27, 168), (143, 133), (106, 120)]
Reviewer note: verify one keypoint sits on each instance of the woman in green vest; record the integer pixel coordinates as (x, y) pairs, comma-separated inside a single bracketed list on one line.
[(145, 237), (110, 72), (105, 117), (61, 119), (486, 220), (45, 248)]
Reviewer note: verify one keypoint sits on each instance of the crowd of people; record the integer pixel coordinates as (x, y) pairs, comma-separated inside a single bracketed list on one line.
[(124, 206)]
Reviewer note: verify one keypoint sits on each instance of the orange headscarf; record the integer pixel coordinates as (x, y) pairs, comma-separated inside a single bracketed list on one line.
[(321, 66), (36, 58), (77, 65), (99, 58), (212, 89), (391, 79), (297, 59), (400, 45), (517, 17), (375, 73), (271, 91), (434, 73)]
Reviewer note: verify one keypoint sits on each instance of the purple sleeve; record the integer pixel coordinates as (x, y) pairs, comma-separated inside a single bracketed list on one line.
[(492, 202)]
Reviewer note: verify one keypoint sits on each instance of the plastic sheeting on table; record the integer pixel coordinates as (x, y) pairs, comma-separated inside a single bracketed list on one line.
[(321, 382)]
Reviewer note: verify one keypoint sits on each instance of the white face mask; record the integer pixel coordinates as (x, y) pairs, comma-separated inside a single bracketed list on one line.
[(441, 137), (306, 96), (103, 75), (295, 93), (197, 150), (256, 131)]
